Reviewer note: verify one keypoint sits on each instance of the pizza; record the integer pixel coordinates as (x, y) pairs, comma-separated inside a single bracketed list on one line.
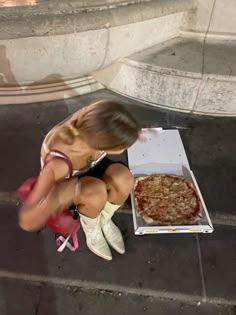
[(166, 200)]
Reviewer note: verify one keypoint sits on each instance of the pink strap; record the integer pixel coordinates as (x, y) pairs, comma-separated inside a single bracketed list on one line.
[(62, 242), (75, 240)]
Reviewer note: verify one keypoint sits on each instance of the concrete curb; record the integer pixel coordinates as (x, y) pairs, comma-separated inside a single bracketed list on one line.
[(45, 92)]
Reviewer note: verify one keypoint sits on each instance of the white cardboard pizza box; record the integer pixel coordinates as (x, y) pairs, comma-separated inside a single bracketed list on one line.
[(163, 153)]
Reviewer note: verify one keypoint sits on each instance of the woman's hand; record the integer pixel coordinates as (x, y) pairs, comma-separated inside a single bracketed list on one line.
[(145, 132), (61, 196)]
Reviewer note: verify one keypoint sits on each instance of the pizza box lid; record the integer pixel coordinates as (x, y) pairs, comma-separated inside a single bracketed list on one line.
[(163, 152), (161, 147)]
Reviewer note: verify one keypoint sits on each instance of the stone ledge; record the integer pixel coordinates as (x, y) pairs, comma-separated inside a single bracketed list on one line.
[(48, 91), (169, 75), (185, 55), (171, 92), (33, 60), (44, 7), (35, 21)]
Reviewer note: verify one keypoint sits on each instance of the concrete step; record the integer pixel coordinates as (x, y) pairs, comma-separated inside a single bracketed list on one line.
[(181, 74), (185, 55)]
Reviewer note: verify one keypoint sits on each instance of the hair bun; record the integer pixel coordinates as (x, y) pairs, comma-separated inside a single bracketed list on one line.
[(73, 130)]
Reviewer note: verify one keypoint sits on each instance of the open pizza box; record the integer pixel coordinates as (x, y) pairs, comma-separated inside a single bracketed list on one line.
[(163, 153)]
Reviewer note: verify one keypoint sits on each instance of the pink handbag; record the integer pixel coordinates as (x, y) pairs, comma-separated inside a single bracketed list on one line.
[(25, 189)]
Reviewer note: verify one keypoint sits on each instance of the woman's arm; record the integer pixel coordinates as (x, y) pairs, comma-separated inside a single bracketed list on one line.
[(43, 201)]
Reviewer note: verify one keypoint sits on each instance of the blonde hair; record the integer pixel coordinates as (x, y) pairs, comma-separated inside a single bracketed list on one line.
[(102, 125)]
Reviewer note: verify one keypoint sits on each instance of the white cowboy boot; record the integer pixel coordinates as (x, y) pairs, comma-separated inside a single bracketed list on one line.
[(110, 230), (94, 237)]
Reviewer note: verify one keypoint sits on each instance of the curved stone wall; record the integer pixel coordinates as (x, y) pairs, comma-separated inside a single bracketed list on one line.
[(42, 45), (216, 17), (50, 49)]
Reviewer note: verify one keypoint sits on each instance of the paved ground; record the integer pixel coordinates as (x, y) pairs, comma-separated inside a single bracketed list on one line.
[(44, 299), (176, 274)]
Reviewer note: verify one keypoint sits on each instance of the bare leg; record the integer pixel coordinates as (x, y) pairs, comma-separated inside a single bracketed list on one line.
[(119, 182), (91, 197), (91, 200)]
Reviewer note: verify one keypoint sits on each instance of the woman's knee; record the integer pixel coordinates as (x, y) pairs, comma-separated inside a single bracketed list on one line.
[(119, 177), (92, 191)]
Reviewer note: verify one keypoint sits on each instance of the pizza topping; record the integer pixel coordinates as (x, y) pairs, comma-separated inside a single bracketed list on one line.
[(166, 200)]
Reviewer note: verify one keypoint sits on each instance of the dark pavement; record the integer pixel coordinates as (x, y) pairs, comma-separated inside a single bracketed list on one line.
[(54, 300), (174, 274)]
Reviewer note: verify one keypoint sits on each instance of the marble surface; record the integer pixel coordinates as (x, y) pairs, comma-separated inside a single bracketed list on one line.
[(19, 3), (186, 55)]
